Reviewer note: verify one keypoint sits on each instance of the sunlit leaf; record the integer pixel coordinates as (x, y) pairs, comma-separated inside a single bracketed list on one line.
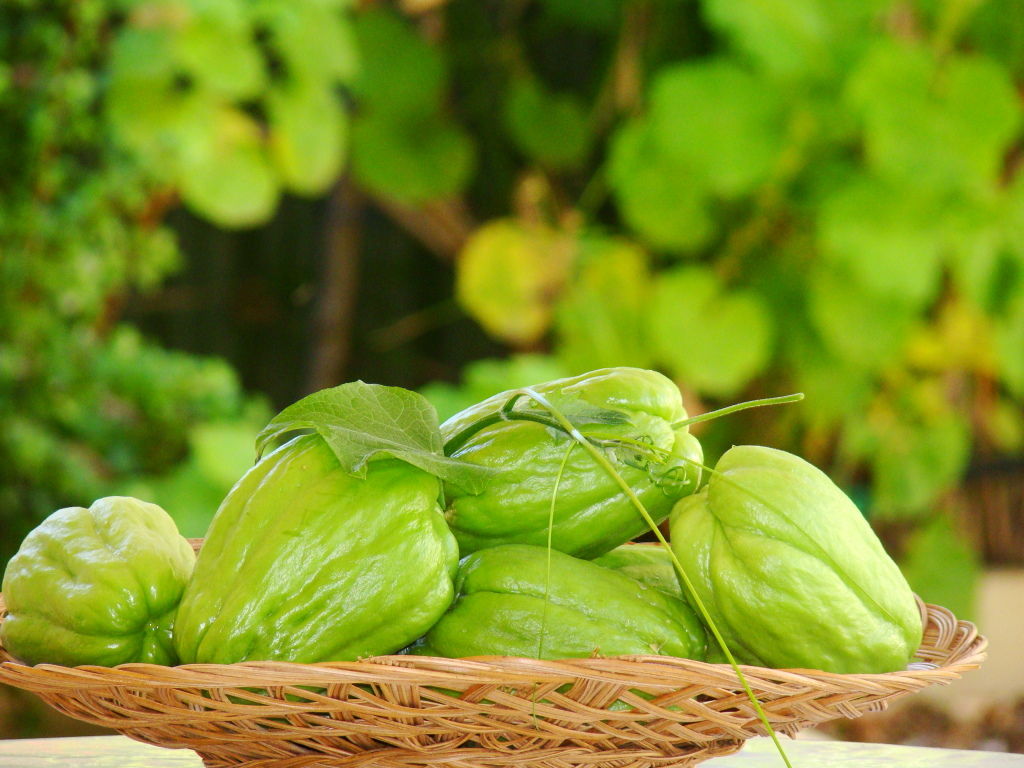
[(922, 451), (600, 318), (551, 128), (934, 126), (865, 329), (794, 38), (508, 275), (721, 121), (228, 178), (886, 238), (308, 136), (664, 201), (314, 40), (410, 158), (216, 47), (712, 338)]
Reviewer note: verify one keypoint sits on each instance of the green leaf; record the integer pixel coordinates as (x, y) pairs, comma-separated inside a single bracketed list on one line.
[(938, 128), (507, 277), (1009, 333), (400, 71), (834, 388), (997, 28), (886, 238), (860, 328), (216, 47), (713, 339), (921, 453), (315, 41), (361, 422), (308, 136), (551, 128), (227, 178), (794, 38), (410, 158), (664, 201), (600, 318), (721, 121), (942, 567)]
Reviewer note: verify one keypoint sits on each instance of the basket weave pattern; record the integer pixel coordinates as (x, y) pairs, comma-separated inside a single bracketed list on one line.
[(408, 711)]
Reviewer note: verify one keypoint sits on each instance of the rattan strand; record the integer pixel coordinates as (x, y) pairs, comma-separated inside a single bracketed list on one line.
[(410, 711)]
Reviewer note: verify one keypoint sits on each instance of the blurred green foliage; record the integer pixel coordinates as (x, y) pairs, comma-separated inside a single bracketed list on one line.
[(813, 195)]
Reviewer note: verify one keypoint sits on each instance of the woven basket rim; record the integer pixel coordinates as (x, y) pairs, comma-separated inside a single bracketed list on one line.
[(968, 652)]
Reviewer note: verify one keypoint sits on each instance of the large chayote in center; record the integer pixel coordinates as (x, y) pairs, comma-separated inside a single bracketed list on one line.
[(790, 570), (306, 562), (521, 600), (591, 515)]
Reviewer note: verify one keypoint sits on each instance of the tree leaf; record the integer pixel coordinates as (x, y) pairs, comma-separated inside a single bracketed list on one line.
[(361, 422), (400, 71), (410, 158), (227, 178), (1009, 338), (508, 275), (551, 128), (795, 38), (885, 238), (942, 567), (315, 41), (866, 330), (217, 48), (600, 318), (308, 136), (937, 128), (663, 200), (922, 451), (721, 121), (713, 339)]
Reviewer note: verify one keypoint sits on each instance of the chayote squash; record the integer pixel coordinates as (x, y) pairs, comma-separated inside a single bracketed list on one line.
[(306, 562), (591, 515), (97, 586), (590, 610), (649, 564), (790, 570)]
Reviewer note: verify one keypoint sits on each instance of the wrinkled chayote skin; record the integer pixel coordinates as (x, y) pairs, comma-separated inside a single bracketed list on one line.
[(97, 586), (591, 610), (649, 564), (305, 562), (790, 570), (592, 515)]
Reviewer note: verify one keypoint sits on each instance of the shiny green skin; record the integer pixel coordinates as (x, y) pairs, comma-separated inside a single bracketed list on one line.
[(790, 570), (592, 514), (591, 610), (304, 562), (649, 564), (97, 586)]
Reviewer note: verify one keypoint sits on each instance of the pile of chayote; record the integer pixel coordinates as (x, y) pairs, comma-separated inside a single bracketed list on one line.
[(308, 561)]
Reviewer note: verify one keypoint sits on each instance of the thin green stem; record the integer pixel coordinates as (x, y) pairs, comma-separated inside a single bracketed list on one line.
[(605, 464), (796, 397)]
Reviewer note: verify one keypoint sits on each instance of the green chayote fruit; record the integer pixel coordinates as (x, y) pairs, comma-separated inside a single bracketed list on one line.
[(790, 570), (592, 515), (305, 562), (505, 599), (97, 586), (649, 564)]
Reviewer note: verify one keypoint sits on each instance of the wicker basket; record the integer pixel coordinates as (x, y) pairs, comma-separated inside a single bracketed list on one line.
[(408, 711)]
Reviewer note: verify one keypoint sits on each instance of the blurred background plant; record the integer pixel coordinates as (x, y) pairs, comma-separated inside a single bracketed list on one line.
[(755, 198)]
